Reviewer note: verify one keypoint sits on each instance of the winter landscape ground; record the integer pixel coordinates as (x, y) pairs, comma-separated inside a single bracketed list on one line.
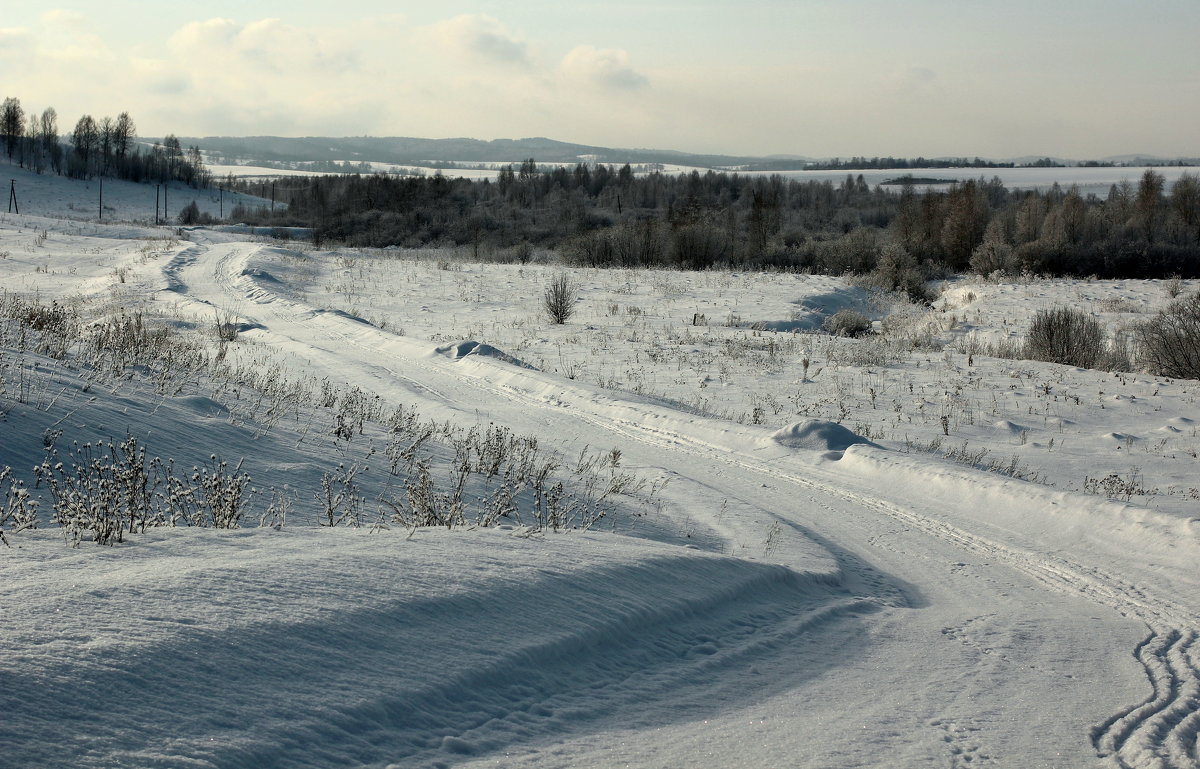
[(685, 528)]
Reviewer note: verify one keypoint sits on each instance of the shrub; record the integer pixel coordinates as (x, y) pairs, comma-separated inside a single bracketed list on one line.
[(847, 323), (191, 214), (1066, 336), (991, 256), (1170, 342), (101, 491), (898, 270), (17, 510), (560, 297)]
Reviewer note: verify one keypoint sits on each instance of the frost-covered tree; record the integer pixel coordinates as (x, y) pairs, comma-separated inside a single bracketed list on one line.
[(1148, 203), (1185, 202)]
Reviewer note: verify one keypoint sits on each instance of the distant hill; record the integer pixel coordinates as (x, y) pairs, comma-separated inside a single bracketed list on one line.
[(407, 150)]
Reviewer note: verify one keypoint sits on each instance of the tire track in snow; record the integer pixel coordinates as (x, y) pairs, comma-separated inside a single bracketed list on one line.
[(760, 623), (1160, 731), (232, 278)]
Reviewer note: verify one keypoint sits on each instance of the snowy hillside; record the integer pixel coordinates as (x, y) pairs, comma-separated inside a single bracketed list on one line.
[(111, 200), (710, 535)]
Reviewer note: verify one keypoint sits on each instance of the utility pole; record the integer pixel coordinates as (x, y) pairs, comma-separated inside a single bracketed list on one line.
[(157, 192), (272, 198), (12, 198), (102, 198), (222, 189)]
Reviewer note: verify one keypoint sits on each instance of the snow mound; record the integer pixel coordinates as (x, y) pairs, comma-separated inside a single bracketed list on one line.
[(818, 435), (261, 275), (1011, 427), (460, 350), (340, 314)]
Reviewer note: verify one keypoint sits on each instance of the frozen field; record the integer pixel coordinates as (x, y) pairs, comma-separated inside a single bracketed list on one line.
[(886, 557)]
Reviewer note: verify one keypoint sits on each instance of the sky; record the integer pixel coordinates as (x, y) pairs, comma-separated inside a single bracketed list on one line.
[(995, 79)]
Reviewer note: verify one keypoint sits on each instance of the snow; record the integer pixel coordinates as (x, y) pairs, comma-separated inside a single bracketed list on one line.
[(818, 435), (809, 585), (50, 195)]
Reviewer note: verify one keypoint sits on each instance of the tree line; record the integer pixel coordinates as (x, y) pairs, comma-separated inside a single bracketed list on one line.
[(106, 147), (606, 216)]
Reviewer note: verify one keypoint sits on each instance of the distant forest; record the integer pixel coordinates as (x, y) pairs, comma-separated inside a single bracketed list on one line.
[(107, 147), (603, 216)]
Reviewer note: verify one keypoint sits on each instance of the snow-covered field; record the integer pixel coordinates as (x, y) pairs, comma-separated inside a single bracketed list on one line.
[(805, 576), (484, 170)]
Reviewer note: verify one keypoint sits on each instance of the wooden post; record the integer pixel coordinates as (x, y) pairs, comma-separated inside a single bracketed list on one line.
[(222, 189), (101, 198), (157, 192)]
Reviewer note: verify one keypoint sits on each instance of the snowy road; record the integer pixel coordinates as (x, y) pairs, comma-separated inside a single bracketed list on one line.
[(938, 617)]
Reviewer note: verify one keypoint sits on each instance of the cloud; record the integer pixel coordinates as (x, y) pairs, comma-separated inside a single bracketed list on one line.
[(15, 40), (68, 36), (159, 77), (920, 75), (61, 16), (481, 37), (201, 35), (915, 78), (608, 68), (267, 46)]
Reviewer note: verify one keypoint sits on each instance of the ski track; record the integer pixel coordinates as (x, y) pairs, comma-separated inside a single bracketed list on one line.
[(1162, 732)]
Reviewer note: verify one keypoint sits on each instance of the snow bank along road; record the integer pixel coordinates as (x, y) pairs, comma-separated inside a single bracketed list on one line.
[(1015, 620), (908, 613)]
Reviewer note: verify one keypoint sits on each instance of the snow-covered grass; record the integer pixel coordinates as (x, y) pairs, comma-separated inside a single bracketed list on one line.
[(813, 551), (734, 346)]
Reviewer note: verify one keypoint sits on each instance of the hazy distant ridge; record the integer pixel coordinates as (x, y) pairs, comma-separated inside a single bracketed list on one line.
[(412, 150), (409, 150)]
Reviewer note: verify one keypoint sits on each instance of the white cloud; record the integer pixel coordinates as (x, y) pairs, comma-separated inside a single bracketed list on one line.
[(14, 40), (159, 76), (608, 67), (64, 17), (480, 37), (269, 46)]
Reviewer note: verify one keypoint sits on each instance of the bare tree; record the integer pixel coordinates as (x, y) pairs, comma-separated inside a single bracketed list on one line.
[(33, 150), (12, 123), (105, 131), (48, 134), (85, 138), (124, 132)]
